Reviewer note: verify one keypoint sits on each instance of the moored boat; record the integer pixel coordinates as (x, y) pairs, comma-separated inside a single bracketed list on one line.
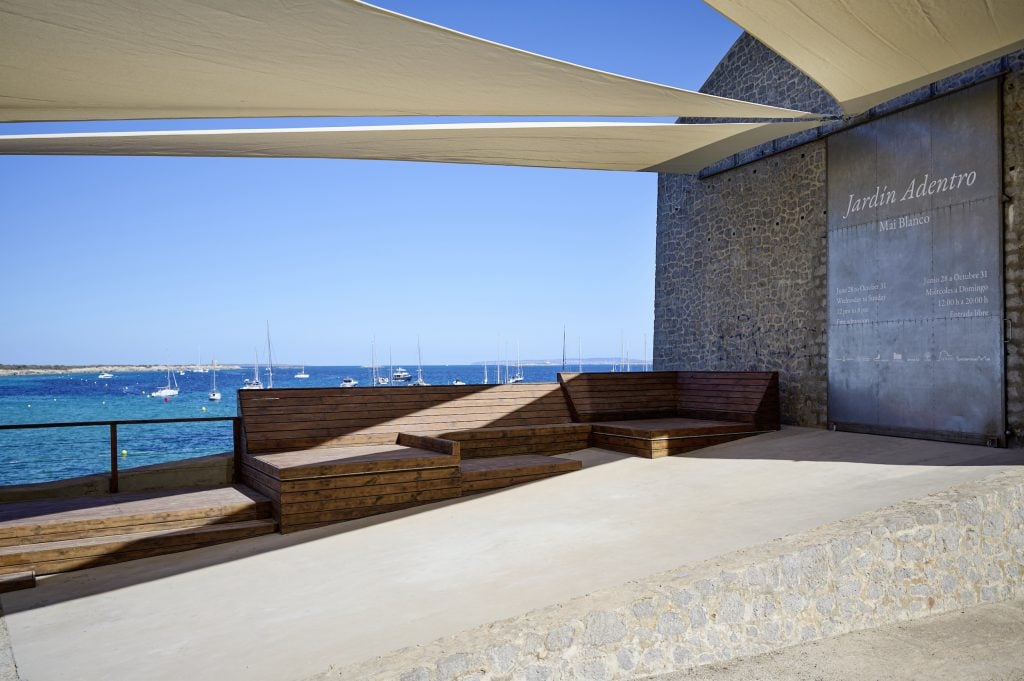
[(169, 390)]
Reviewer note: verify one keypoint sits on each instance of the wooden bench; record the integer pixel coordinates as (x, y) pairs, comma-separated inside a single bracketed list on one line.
[(654, 414), (324, 455)]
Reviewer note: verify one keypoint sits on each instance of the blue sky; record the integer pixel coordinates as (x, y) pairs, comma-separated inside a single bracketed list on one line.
[(147, 259)]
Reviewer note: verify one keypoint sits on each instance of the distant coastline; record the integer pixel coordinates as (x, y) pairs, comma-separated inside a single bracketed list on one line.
[(37, 369)]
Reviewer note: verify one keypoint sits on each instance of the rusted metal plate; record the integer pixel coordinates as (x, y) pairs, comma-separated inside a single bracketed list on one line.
[(915, 299)]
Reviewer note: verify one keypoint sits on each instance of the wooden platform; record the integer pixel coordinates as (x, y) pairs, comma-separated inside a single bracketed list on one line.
[(482, 474), (654, 438), (556, 438), (313, 487), (45, 537), (324, 455)]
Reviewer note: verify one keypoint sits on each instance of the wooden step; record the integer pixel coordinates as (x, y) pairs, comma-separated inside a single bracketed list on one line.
[(65, 519), (334, 461), (496, 472), (75, 554)]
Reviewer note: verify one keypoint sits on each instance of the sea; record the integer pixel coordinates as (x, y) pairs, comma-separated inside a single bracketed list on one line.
[(46, 454)]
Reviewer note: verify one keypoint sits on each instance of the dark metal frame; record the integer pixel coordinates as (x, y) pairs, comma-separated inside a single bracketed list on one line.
[(236, 430)]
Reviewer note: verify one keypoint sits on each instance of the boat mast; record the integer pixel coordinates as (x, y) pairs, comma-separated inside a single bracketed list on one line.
[(563, 347), (373, 361), (581, 354), (485, 372), (270, 360), (419, 361)]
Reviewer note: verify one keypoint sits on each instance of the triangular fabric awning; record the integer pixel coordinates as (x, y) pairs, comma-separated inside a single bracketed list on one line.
[(114, 59), (597, 146), (869, 51)]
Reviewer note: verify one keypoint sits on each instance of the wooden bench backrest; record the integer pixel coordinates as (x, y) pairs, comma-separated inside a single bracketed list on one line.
[(299, 418), (747, 396), (614, 396)]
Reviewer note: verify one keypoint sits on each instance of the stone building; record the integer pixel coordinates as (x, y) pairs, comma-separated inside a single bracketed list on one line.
[(743, 253)]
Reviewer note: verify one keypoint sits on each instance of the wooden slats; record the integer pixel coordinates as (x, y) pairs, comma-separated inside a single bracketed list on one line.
[(33, 521), (613, 396), (480, 475), (319, 417), (61, 556), (66, 534), (329, 462)]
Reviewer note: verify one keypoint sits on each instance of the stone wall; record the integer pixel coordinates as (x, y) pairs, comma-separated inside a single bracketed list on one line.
[(1013, 246), (943, 552), (740, 279), (740, 275)]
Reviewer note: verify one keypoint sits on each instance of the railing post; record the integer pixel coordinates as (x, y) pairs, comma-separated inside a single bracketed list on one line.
[(236, 440), (113, 458)]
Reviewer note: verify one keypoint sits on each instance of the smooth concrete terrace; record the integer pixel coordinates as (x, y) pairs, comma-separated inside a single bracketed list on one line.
[(289, 607)]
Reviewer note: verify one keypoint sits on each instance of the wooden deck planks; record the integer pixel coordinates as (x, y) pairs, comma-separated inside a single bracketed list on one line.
[(22, 522), (62, 556), (67, 534)]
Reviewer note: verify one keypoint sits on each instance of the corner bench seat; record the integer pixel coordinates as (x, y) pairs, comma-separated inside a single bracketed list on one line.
[(660, 413), (329, 454), (654, 438)]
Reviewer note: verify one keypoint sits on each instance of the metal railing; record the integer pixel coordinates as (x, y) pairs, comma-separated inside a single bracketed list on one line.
[(236, 435)]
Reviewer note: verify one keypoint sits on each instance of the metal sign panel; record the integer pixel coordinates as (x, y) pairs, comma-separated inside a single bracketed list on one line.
[(915, 299)]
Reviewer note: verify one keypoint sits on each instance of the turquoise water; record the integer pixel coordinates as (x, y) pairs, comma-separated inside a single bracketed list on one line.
[(40, 455)]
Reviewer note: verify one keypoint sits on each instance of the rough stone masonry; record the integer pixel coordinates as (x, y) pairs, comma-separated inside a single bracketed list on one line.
[(740, 272)]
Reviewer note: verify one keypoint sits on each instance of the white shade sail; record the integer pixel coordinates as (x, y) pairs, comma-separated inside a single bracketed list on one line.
[(869, 51), (595, 146), (121, 59)]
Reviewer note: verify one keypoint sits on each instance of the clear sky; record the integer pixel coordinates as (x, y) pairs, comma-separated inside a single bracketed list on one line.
[(126, 260)]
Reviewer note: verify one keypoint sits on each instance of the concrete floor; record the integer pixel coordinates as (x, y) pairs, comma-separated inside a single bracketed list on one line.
[(983, 643), (282, 608)]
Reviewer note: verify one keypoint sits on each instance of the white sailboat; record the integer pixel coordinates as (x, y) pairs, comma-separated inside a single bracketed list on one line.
[(199, 368), (518, 378), (270, 360), (214, 393), (376, 378), (254, 382), (419, 366), (168, 390), (302, 373)]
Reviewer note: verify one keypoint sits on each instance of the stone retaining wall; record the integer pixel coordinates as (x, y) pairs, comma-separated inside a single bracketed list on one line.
[(947, 551)]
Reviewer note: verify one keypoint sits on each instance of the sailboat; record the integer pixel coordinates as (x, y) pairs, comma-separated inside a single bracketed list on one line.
[(214, 393), (518, 378), (199, 368), (270, 360), (254, 382), (167, 390), (302, 374), (376, 378), (419, 368)]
